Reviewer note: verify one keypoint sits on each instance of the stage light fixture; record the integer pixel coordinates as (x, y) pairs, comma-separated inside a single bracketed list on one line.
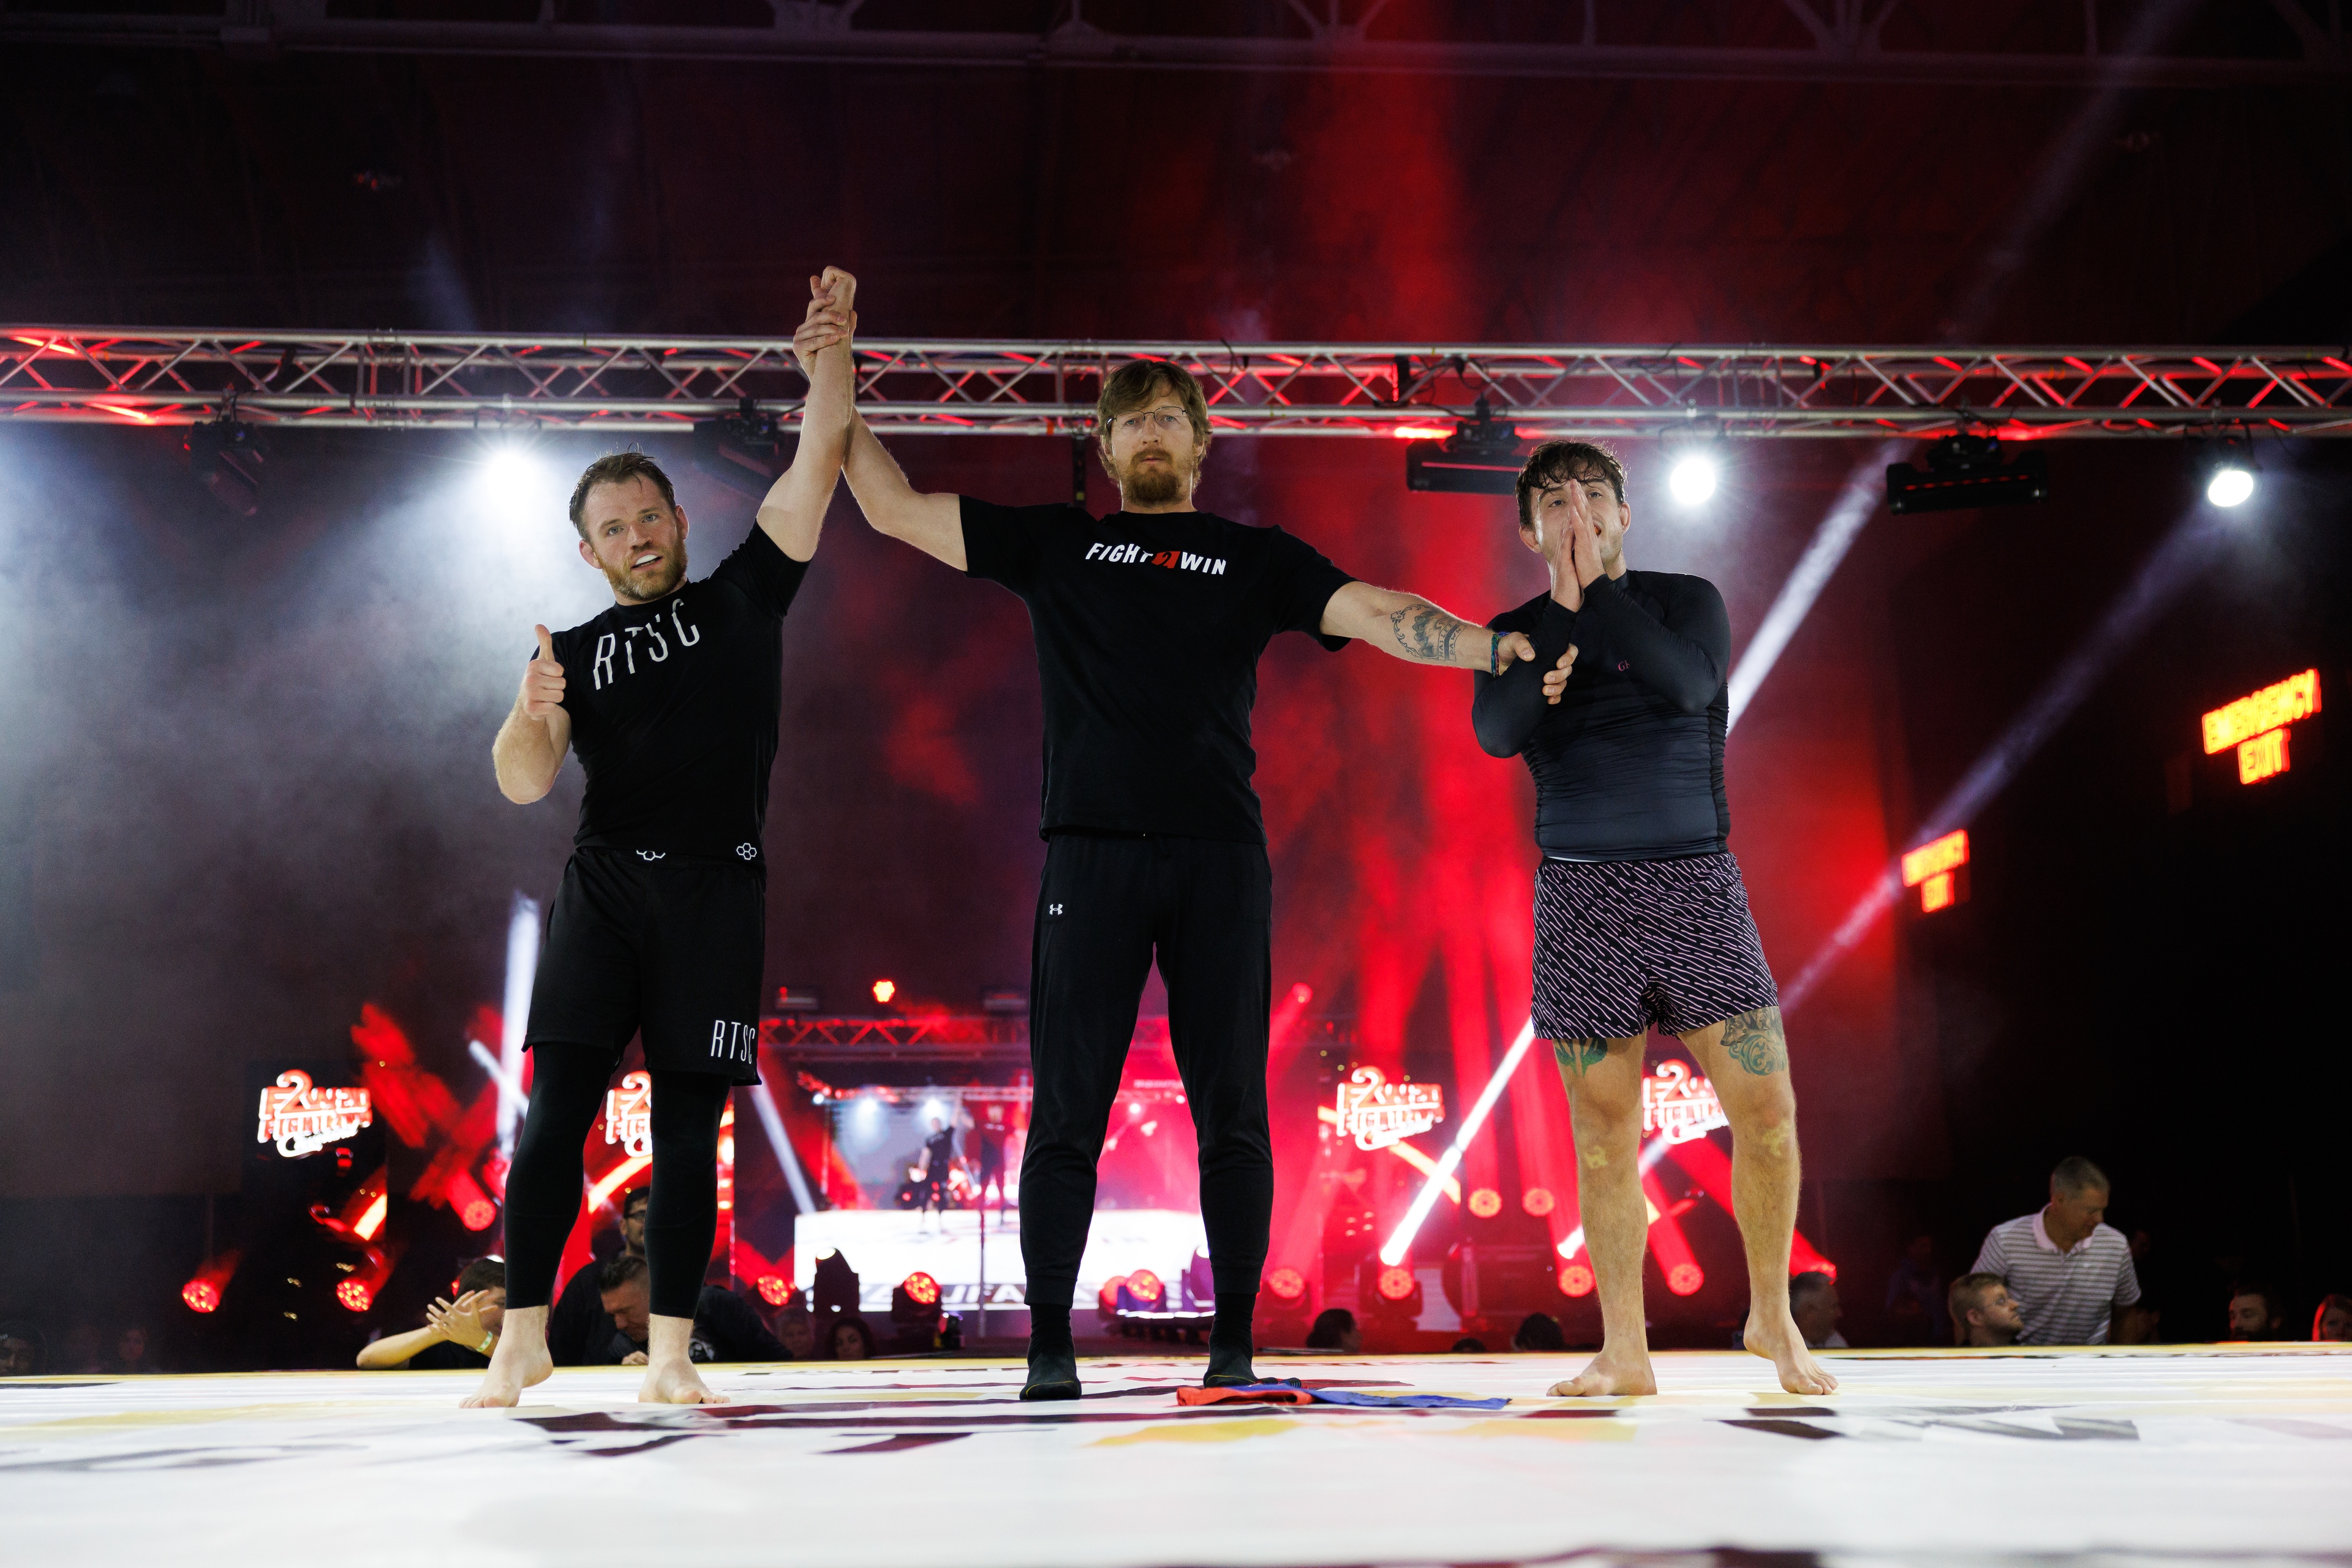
[(884, 990), (1576, 1280), (1485, 1202), (1287, 1286), (1481, 458), (226, 455), (511, 478), (745, 450), (202, 1293), (774, 1289), (2229, 474), (1692, 479), (921, 1288), (1107, 1297), (1537, 1202), (1966, 471)]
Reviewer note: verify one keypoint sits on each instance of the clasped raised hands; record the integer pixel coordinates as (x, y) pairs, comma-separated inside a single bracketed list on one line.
[(832, 317)]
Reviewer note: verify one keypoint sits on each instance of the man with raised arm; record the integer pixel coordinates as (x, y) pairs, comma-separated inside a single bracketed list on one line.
[(1148, 623), (671, 699), (1641, 917)]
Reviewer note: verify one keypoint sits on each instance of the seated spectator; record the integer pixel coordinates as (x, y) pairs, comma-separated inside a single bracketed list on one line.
[(23, 1351), (2333, 1321), (81, 1351), (130, 1357), (1539, 1331), (796, 1333), (852, 1339), (1984, 1311), (2067, 1271), (2256, 1314), (1465, 1345), (725, 1326), (1914, 1294), (1813, 1302), (459, 1335), (579, 1332), (1335, 1330)]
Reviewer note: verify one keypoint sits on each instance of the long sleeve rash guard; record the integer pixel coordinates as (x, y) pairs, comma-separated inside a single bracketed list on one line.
[(1629, 766)]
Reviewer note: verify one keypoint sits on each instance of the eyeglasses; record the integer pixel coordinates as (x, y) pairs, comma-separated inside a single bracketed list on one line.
[(1159, 421)]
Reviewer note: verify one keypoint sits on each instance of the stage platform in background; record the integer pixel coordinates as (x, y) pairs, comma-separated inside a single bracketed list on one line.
[(885, 1246), (2177, 1455)]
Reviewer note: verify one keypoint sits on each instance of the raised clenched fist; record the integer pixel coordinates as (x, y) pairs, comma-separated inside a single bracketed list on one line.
[(543, 680)]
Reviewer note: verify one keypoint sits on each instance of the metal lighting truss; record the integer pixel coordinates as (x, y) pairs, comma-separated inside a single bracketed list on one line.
[(642, 384)]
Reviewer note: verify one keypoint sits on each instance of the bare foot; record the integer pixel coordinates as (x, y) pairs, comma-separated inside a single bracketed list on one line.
[(515, 1365), (1611, 1372), (675, 1383), (1784, 1347)]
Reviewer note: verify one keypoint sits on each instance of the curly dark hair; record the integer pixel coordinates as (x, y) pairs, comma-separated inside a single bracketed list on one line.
[(619, 468)]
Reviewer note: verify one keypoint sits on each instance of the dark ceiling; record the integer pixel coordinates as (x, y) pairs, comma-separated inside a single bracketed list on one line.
[(392, 184)]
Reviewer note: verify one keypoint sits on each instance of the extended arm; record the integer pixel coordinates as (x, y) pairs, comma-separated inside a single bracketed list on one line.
[(394, 1349), (931, 523), (529, 752), (1682, 658), (792, 514), (1505, 709), (1407, 626)]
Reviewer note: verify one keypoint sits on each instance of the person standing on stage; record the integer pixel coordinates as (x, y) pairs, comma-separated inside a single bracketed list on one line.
[(1148, 623), (659, 927), (1641, 917), (939, 1162)]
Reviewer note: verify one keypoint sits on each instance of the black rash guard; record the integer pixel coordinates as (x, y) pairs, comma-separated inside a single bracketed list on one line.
[(1629, 766)]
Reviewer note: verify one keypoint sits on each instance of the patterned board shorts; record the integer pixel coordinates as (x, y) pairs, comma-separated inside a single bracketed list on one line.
[(1622, 945)]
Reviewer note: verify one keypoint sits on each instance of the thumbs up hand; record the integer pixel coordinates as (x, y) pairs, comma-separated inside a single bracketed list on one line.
[(543, 680)]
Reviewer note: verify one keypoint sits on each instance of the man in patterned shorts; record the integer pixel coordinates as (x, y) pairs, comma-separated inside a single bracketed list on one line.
[(1641, 917)]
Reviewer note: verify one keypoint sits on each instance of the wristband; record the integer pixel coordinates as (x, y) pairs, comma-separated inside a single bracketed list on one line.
[(1495, 653), (490, 1342)]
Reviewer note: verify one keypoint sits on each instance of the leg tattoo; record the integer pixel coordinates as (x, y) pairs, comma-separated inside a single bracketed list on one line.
[(1579, 1057), (1754, 1040)]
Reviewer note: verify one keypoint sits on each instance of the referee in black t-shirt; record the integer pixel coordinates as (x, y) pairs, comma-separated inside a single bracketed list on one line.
[(1148, 623), (1640, 918), (659, 929)]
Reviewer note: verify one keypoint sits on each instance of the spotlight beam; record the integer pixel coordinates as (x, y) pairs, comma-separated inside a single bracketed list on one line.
[(522, 964), (772, 1121), (1401, 1241), (2161, 577), (1856, 505)]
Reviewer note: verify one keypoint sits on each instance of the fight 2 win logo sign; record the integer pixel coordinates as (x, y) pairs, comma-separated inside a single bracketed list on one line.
[(1174, 560)]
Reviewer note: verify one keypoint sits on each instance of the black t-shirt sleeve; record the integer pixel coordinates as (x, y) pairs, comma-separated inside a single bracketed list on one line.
[(446, 1357), (765, 574), (1301, 580), (1006, 543), (1683, 658), (734, 1330), (1505, 708)]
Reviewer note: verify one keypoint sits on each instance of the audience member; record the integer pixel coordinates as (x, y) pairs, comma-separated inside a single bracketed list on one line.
[(458, 1335), (579, 1330), (2256, 1314), (1984, 1311), (852, 1339), (1466, 1345), (725, 1326), (81, 1351), (2333, 1321), (1539, 1331), (1335, 1330), (23, 1351), (2067, 1270), (795, 1333), (1915, 1295), (1813, 1302), (130, 1354)]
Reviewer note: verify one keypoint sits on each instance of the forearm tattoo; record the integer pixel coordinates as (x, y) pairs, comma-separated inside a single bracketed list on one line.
[(1579, 1057), (1426, 632), (1754, 1040)]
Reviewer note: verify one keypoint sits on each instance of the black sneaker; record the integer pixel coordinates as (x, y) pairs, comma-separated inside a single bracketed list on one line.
[(1053, 1374), (1228, 1366)]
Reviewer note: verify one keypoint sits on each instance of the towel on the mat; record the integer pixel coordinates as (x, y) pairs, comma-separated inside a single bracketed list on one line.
[(1290, 1391)]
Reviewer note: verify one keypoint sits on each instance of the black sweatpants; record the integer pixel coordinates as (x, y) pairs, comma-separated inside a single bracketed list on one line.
[(567, 1084), (1205, 907)]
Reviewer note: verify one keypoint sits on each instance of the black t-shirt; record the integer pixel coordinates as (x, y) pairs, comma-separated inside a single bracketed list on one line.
[(938, 1149), (1148, 629), (580, 1332), (725, 1328), (1629, 766), (447, 1356), (673, 709)]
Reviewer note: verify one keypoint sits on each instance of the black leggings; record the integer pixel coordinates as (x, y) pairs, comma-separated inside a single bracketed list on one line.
[(567, 1083)]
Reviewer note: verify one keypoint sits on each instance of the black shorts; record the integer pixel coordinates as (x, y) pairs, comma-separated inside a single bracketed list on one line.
[(660, 944), (1624, 945)]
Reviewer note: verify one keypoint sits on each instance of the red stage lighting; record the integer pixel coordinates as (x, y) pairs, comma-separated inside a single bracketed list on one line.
[(355, 1294), (775, 1289), (1539, 1202), (1108, 1297), (1146, 1289), (202, 1293), (475, 1210), (1485, 1202), (884, 990), (1684, 1278), (1287, 1286), (1575, 1280), (921, 1287), (1396, 1284)]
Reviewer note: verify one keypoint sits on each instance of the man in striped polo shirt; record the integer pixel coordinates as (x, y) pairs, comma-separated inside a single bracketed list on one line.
[(2067, 1270)]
